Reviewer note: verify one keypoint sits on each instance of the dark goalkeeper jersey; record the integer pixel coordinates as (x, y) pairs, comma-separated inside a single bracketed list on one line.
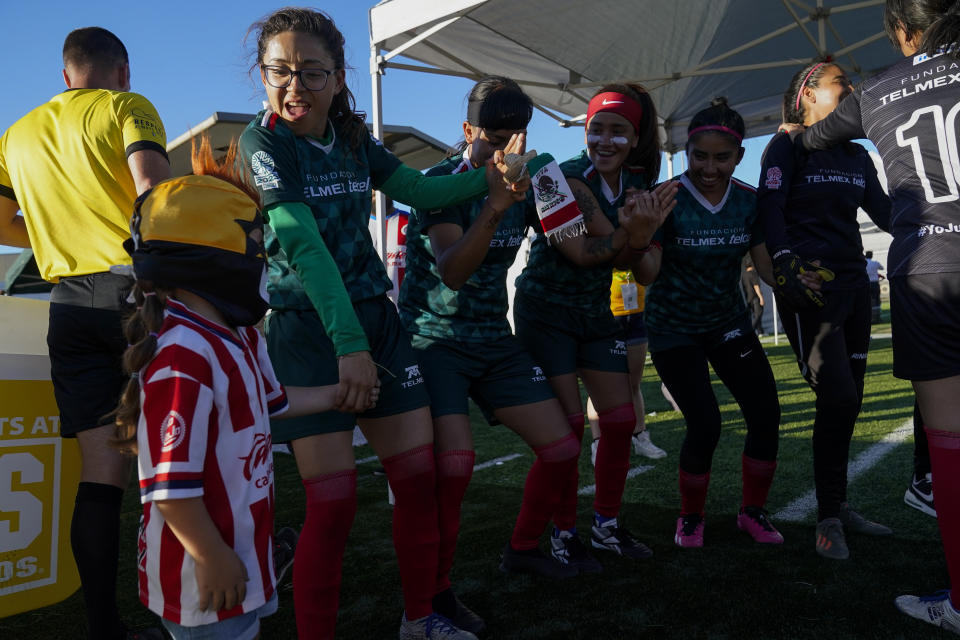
[(808, 203), (910, 112)]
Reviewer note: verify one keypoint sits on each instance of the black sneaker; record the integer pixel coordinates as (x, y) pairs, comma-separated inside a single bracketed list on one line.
[(534, 561), (919, 494), (284, 548), (853, 521), (447, 604), (610, 536), (567, 548)]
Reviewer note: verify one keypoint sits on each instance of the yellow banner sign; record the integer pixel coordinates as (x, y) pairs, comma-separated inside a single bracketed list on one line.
[(39, 470)]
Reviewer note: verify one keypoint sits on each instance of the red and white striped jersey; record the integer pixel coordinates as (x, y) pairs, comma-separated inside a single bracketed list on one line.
[(206, 399)]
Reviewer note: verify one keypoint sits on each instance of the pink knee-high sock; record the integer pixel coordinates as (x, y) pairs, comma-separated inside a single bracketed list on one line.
[(613, 458), (454, 469), (945, 468), (331, 505), (693, 491), (565, 516), (757, 478), (416, 533), (546, 480)]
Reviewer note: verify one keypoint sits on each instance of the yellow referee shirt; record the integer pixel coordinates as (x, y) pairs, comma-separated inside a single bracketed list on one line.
[(626, 296), (65, 163)]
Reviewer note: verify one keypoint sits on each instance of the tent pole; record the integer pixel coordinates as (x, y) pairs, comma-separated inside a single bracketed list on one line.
[(376, 71), (669, 165)]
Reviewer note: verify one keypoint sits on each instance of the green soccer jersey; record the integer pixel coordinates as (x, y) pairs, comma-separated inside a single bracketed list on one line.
[(549, 276), (478, 310), (698, 287), (336, 182)]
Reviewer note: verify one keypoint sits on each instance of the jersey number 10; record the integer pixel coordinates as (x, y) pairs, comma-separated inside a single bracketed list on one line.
[(945, 129)]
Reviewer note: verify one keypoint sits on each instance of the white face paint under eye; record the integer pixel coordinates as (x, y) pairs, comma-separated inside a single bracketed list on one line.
[(620, 141)]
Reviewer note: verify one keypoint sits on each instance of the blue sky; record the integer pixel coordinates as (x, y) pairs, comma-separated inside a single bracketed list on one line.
[(190, 59)]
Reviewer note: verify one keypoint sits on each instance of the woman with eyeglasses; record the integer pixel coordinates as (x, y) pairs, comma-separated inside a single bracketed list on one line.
[(315, 164)]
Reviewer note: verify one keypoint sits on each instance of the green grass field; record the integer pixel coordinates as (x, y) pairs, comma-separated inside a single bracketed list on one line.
[(732, 588)]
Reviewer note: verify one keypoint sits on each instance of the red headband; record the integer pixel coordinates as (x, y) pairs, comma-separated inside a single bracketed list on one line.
[(617, 103)]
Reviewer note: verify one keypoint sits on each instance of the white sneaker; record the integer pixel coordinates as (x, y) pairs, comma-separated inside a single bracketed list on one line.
[(643, 447), (593, 451), (935, 609)]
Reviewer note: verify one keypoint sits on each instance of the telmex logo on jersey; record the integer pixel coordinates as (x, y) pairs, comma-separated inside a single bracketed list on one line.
[(335, 183)]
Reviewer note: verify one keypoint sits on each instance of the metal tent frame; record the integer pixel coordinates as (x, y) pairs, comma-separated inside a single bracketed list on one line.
[(561, 51)]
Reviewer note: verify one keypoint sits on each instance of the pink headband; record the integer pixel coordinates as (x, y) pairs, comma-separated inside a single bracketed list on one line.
[(618, 103), (716, 127), (804, 83)]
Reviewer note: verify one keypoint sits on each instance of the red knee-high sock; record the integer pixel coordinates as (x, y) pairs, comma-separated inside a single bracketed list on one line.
[(331, 505), (454, 469), (416, 533), (613, 458), (547, 479), (565, 516), (757, 478), (945, 462), (693, 491)]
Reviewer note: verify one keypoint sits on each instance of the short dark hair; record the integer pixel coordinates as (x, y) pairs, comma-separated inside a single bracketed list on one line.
[(93, 47), (869, 255)]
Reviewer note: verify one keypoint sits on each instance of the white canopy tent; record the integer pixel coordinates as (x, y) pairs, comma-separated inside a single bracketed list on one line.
[(684, 51)]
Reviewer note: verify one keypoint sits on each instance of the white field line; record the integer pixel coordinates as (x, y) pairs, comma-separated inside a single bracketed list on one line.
[(497, 461), (591, 489), (800, 508)]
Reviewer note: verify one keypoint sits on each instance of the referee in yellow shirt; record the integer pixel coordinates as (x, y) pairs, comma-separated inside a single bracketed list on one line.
[(74, 167)]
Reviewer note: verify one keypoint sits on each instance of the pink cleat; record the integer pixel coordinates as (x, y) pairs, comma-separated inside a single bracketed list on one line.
[(689, 531), (754, 521)]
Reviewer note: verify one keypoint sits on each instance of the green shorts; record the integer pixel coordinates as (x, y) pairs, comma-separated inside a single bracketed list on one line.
[(563, 340), (498, 373), (303, 356)]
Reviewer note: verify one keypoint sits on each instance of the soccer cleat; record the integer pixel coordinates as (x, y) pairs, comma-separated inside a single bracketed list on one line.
[(448, 605), (919, 494), (642, 446), (284, 548), (567, 548), (754, 521), (853, 521), (608, 535), (689, 531), (432, 627), (534, 561), (593, 451), (831, 543), (935, 609)]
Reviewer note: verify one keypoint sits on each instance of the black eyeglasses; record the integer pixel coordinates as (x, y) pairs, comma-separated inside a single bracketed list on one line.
[(281, 77)]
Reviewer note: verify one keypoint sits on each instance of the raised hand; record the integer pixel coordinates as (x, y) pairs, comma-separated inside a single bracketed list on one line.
[(503, 194), (644, 211)]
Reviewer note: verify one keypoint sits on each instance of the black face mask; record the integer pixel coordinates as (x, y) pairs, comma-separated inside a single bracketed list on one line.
[(233, 283)]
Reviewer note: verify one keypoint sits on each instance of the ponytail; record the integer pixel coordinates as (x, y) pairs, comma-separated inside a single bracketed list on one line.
[(937, 22), (141, 330), (944, 33)]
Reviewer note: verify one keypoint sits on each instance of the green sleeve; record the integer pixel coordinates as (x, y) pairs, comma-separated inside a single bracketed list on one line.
[(296, 230), (411, 187)]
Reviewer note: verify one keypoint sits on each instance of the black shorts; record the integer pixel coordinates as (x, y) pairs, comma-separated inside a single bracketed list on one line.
[(303, 356), (925, 322), (498, 373), (634, 328), (563, 340), (86, 343)]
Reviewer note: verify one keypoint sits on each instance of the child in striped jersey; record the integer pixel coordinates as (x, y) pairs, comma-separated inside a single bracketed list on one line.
[(198, 405)]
